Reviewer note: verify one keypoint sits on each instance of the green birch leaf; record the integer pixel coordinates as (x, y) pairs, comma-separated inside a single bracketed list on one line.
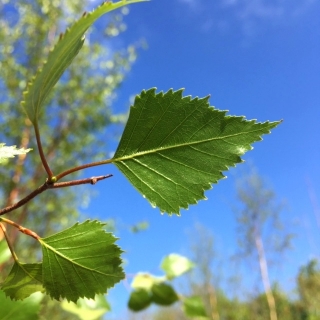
[(9, 152), (174, 265), (23, 280), (27, 309), (81, 261), (60, 58), (163, 294), (139, 299), (173, 148)]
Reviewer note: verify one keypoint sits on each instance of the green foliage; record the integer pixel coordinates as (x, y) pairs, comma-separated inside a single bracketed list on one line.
[(173, 147), (81, 261), (194, 307), (60, 58), (19, 310), (10, 152)]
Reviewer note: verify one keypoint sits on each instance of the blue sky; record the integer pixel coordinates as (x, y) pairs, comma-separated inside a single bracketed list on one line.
[(255, 58)]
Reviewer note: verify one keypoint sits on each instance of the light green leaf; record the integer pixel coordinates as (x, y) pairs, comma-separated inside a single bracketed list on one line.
[(10, 152), (194, 307), (87, 309), (163, 294), (81, 261), (173, 147), (20, 310), (175, 265), (60, 58), (145, 281), (5, 253), (139, 299), (23, 280)]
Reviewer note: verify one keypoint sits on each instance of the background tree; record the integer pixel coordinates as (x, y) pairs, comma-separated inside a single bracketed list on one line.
[(259, 220), (28, 29)]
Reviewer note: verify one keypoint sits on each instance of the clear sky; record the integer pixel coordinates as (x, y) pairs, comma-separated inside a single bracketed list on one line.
[(258, 58)]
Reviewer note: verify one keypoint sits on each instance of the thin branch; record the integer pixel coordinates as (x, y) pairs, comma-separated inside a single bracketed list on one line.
[(4, 230), (47, 185), (41, 153), (21, 228), (84, 166)]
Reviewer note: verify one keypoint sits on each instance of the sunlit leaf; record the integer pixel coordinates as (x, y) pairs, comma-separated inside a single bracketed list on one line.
[(81, 261), (145, 281), (10, 152), (23, 280), (87, 309), (20, 310), (173, 148), (175, 265), (60, 58)]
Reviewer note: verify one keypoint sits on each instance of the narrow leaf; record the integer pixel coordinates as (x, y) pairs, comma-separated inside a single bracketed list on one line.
[(10, 152), (173, 147), (60, 58), (175, 265), (80, 262), (23, 280)]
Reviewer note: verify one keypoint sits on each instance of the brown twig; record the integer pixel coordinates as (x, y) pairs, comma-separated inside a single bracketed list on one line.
[(48, 185), (21, 228)]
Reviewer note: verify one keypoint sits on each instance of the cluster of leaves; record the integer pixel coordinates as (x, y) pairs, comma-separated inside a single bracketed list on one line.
[(173, 148), (150, 289)]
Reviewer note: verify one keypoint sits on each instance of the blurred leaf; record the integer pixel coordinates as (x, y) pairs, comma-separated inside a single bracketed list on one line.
[(193, 307), (163, 294), (141, 226), (23, 280), (10, 152), (145, 281), (175, 265), (81, 261), (60, 58), (139, 299), (20, 310), (87, 309), (173, 148), (5, 253)]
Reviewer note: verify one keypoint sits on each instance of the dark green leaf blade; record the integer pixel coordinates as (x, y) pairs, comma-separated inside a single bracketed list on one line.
[(173, 148), (163, 294), (80, 262), (23, 280), (60, 58), (139, 299)]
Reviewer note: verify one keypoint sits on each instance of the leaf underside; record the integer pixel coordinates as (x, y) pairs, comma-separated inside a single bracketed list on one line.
[(173, 147), (80, 262), (23, 280), (60, 58)]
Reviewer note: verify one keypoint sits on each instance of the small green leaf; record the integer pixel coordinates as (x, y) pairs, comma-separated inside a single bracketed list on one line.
[(81, 261), (87, 309), (175, 265), (60, 58), (23, 280), (163, 294), (20, 310), (193, 307), (139, 299), (10, 152), (173, 148)]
